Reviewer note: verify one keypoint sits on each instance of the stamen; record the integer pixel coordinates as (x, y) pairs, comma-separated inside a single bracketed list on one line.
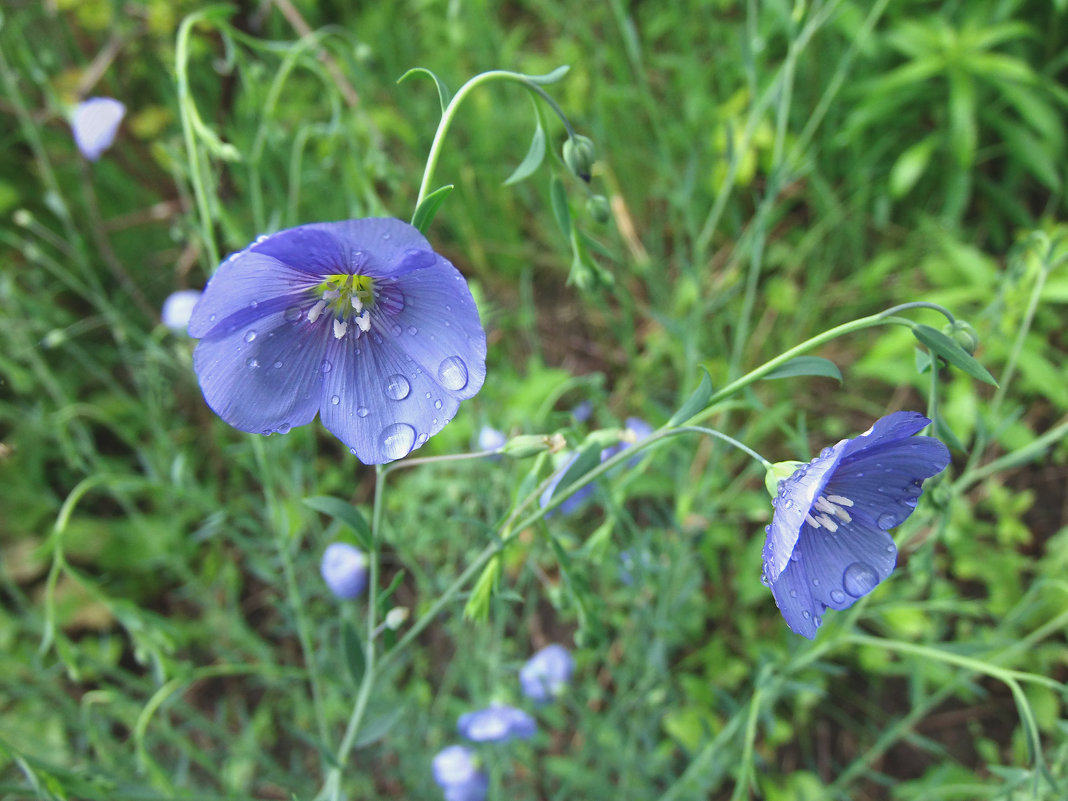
[(812, 521), (364, 321), (838, 499), (331, 294), (357, 304), (823, 505), (830, 524), (315, 311), (842, 515), (340, 327)]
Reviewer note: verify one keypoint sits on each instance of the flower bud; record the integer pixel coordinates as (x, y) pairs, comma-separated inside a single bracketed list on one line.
[(178, 308), (776, 473), (963, 334), (598, 209), (579, 155), (527, 445), (344, 569), (395, 617)]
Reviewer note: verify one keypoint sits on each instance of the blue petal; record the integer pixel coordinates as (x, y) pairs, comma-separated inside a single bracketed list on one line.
[(375, 246), (245, 287), (888, 429), (438, 326), (496, 723), (94, 124), (832, 570), (378, 401), (315, 249), (266, 377)]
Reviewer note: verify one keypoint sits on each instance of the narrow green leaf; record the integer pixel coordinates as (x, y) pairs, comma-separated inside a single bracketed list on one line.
[(923, 361), (696, 402), (424, 215), (549, 77), (378, 727), (953, 353), (532, 160), (385, 598), (352, 651), (910, 166), (589, 457), (444, 95), (478, 602), (558, 196), (807, 365), (344, 512)]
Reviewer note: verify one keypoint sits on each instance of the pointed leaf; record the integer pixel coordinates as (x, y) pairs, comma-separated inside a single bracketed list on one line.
[(910, 166), (696, 402), (424, 215), (558, 196), (953, 353), (549, 77), (807, 365), (378, 727), (532, 160), (344, 512), (352, 651), (443, 91)]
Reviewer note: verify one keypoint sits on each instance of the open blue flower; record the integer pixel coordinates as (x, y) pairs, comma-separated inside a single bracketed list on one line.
[(827, 544), (358, 321), (94, 124), (344, 569), (545, 674), (456, 772), (497, 723)]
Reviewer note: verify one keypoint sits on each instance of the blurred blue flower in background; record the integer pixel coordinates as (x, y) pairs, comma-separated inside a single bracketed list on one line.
[(497, 723), (344, 569), (827, 544), (545, 674), (636, 430), (490, 439), (456, 772), (178, 308), (94, 124), (358, 321)]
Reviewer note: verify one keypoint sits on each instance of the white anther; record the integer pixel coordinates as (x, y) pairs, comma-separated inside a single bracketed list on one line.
[(823, 505), (812, 521), (839, 500), (364, 322), (357, 304), (340, 327), (830, 524), (331, 294), (842, 515), (315, 311)]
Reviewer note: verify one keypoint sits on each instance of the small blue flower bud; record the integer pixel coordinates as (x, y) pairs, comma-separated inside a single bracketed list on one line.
[(598, 209), (579, 155), (344, 569), (545, 674), (178, 308)]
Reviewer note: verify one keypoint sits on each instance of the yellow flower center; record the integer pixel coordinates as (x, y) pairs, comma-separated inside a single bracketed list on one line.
[(349, 299)]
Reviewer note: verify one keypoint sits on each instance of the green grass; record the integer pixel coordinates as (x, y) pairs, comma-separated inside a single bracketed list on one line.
[(774, 170)]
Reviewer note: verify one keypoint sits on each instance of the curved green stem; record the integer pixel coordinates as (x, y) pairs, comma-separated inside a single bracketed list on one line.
[(449, 114)]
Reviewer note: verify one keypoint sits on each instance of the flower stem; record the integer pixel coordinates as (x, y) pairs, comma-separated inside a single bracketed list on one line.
[(449, 114)]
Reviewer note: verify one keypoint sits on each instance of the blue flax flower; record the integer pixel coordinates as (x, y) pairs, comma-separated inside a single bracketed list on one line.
[(94, 124), (497, 723), (456, 772), (545, 674), (358, 321), (827, 544), (178, 308), (344, 569)]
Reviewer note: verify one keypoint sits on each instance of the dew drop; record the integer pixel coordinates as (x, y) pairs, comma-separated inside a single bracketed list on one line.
[(254, 304), (887, 520), (292, 314), (452, 373), (890, 549), (397, 387), (413, 330), (326, 366), (767, 530), (423, 438), (211, 319), (362, 411), (397, 330), (437, 403), (397, 440), (837, 596), (793, 593), (817, 620), (267, 432), (335, 400), (250, 335), (277, 364), (806, 614), (427, 396), (252, 364), (815, 582), (284, 428), (352, 451), (859, 579), (826, 452), (788, 503)]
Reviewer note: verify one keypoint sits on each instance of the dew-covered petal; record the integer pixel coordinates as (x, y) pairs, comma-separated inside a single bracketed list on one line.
[(247, 286), (888, 429), (796, 496), (438, 325), (378, 401), (94, 124), (374, 246), (263, 378), (887, 482), (314, 248)]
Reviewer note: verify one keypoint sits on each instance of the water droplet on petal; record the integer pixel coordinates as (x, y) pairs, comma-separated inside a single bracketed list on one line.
[(413, 330), (806, 614), (254, 304), (817, 620), (352, 451), (886, 520), (423, 438), (397, 440), (452, 373), (437, 403), (211, 319), (397, 387), (284, 428), (292, 314), (788, 503), (397, 330), (859, 579), (793, 593), (335, 400), (815, 582), (250, 335), (252, 364), (362, 411), (326, 366), (837, 596), (826, 452)]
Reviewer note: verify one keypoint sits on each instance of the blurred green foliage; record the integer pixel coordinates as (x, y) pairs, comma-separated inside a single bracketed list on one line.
[(772, 169)]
